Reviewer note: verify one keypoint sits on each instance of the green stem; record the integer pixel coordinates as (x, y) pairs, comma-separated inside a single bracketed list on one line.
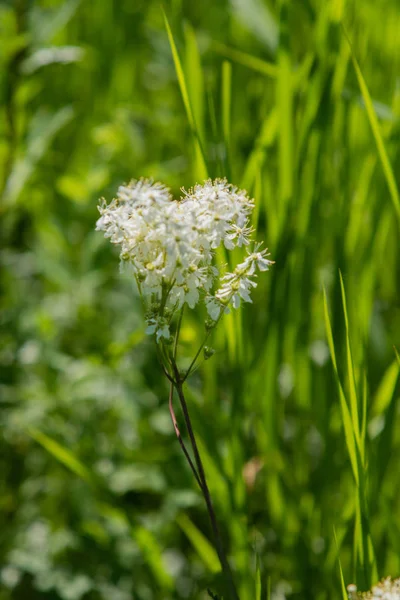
[(178, 330), (204, 488), (179, 436), (201, 347)]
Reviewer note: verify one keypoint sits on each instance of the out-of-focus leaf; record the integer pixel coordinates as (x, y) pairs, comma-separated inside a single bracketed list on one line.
[(52, 55), (258, 582), (47, 24), (44, 127), (257, 17), (248, 60), (62, 454), (386, 389), (186, 100), (152, 550), (203, 547), (379, 141)]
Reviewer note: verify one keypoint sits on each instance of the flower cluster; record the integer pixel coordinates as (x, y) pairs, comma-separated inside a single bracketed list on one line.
[(387, 589), (170, 246)]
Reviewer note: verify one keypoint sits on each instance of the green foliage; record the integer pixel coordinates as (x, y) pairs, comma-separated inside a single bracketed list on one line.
[(297, 411)]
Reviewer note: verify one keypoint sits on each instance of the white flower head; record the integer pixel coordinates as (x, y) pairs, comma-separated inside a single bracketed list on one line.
[(170, 246), (237, 286), (387, 589)]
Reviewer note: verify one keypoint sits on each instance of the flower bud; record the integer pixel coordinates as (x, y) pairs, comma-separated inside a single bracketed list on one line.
[(208, 352)]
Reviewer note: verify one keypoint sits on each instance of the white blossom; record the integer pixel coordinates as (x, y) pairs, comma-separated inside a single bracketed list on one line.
[(240, 234), (260, 260), (170, 246), (387, 589), (237, 285)]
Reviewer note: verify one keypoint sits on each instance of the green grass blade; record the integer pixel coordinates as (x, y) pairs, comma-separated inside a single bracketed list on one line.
[(350, 369), (151, 550), (284, 102), (42, 130), (247, 60), (397, 355), (265, 139), (226, 112), (363, 432), (200, 543), (180, 74), (346, 416), (337, 10), (258, 194), (342, 583), (186, 99), (194, 78), (62, 454), (259, 20), (258, 586), (380, 144), (386, 388)]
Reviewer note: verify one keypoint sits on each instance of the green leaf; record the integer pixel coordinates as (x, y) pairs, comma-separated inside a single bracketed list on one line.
[(386, 388), (151, 549), (284, 103), (342, 583), (226, 111), (254, 63), (43, 128), (62, 454), (256, 16), (186, 98), (350, 370), (200, 543), (258, 581), (346, 416), (380, 144)]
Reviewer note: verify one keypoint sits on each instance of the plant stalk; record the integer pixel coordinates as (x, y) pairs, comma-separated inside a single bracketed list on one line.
[(233, 594), (180, 439)]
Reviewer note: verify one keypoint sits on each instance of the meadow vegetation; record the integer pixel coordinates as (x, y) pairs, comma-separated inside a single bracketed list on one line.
[(297, 413)]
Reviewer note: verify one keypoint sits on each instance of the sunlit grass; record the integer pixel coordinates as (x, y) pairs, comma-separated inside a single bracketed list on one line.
[(297, 411)]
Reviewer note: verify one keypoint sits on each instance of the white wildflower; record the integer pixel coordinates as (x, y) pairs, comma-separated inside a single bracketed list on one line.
[(260, 259), (238, 234), (387, 589), (237, 285), (170, 246)]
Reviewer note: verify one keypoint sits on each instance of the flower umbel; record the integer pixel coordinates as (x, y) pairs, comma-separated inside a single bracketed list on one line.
[(170, 246)]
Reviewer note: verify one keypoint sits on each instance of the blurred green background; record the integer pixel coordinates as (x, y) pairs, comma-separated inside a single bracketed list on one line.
[(96, 501)]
